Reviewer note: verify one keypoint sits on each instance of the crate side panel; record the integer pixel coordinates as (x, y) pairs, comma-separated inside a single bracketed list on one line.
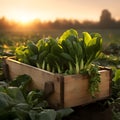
[(39, 77), (76, 89)]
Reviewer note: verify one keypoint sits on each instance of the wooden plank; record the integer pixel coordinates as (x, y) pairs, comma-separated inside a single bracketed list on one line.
[(76, 89)]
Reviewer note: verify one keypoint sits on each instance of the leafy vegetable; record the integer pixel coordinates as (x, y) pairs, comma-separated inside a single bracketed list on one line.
[(92, 46), (69, 54), (58, 55), (63, 113)]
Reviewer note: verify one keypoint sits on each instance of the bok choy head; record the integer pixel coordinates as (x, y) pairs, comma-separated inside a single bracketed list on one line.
[(92, 45)]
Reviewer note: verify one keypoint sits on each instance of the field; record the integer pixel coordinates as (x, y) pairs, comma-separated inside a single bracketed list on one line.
[(100, 110)]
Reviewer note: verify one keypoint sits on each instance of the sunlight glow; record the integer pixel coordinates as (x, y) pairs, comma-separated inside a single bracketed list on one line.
[(21, 16), (24, 19)]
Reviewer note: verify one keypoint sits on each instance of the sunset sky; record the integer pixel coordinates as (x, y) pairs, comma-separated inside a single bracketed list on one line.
[(27, 10)]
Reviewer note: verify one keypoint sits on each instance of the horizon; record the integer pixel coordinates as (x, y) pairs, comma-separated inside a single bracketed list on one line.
[(24, 22), (50, 10)]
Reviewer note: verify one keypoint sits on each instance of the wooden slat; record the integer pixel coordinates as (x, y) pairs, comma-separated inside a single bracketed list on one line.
[(76, 89)]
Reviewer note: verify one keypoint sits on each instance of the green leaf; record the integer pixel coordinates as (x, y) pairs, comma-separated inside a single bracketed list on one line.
[(23, 80), (70, 34), (66, 56), (21, 113), (117, 75), (32, 47), (36, 98), (16, 94), (48, 114), (23, 106), (34, 115), (87, 38), (5, 102), (92, 47), (45, 114), (63, 113), (2, 89), (56, 49)]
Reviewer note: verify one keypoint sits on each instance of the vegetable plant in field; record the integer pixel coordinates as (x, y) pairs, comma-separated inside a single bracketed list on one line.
[(69, 54), (114, 101)]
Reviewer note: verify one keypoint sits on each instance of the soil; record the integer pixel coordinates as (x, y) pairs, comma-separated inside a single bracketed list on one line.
[(94, 111)]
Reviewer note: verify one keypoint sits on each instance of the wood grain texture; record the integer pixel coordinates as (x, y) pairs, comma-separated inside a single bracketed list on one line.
[(76, 89)]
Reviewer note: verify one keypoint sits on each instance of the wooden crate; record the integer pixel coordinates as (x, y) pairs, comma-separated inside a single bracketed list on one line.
[(67, 90)]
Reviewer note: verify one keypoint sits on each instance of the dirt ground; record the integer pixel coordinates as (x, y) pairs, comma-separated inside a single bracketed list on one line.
[(94, 111)]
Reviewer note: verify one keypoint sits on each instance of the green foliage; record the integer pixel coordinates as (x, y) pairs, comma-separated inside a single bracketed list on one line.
[(115, 98), (51, 54), (113, 48), (108, 60), (69, 54), (92, 46), (116, 84), (63, 113), (26, 54), (117, 76), (94, 80), (116, 116)]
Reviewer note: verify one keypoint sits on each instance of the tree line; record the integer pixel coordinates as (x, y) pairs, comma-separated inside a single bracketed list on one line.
[(105, 22)]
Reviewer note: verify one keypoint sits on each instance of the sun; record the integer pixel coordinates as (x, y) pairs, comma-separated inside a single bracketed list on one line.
[(24, 19)]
